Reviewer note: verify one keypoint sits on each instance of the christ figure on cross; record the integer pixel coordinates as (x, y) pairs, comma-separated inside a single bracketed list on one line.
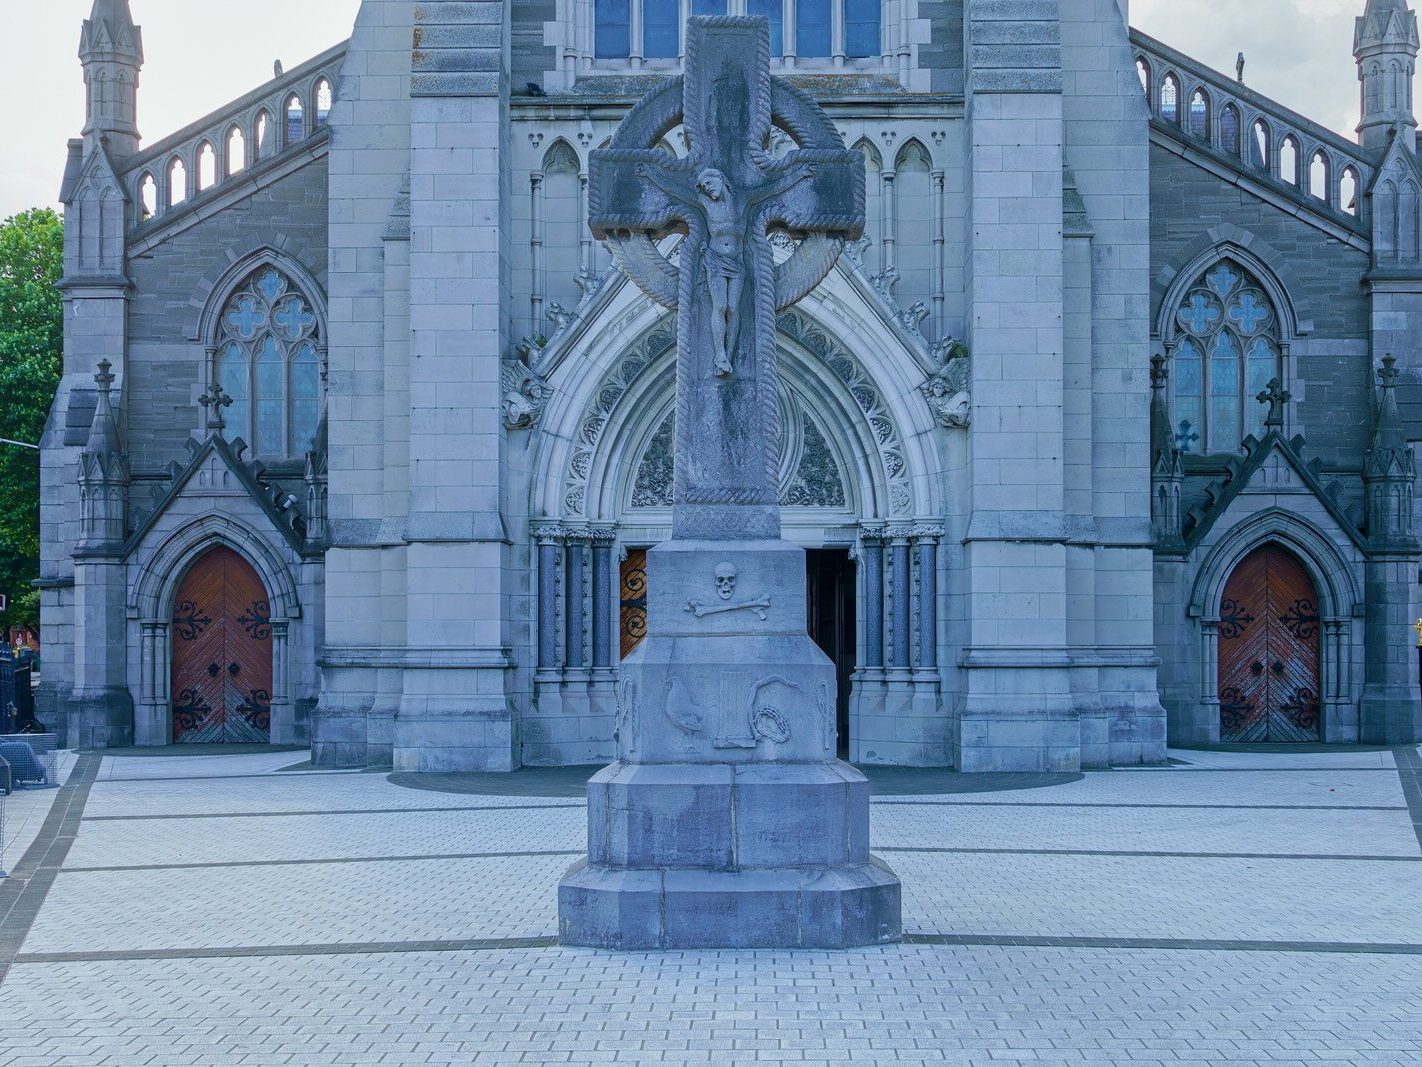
[(724, 217)]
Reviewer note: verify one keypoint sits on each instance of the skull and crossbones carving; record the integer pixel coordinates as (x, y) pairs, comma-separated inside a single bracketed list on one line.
[(725, 581), (726, 577)]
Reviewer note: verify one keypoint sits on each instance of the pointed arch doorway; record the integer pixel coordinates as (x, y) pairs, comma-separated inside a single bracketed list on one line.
[(222, 653), (1269, 651)]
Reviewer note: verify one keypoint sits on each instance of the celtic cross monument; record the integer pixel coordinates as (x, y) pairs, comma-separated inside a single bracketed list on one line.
[(727, 820)]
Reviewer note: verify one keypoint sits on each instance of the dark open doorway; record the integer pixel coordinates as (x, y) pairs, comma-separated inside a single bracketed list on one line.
[(830, 610)]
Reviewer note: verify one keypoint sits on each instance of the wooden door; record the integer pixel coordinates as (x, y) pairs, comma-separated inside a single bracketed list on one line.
[(1269, 651), (222, 653), (632, 602)]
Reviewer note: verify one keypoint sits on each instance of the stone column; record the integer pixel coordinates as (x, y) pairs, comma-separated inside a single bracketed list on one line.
[(1016, 711), (283, 721), (548, 679), (871, 551), (869, 724), (596, 742), (458, 714), (925, 539), (901, 617), (1208, 727), (364, 593)]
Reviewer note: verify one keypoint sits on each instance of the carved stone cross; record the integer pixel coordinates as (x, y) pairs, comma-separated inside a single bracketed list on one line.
[(725, 197), (1276, 396), (213, 401)]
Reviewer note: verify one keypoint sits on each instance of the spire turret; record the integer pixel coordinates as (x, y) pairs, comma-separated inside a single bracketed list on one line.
[(1385, 44), (1167, 468), (1389, 470), (111, 49), (103, 473)]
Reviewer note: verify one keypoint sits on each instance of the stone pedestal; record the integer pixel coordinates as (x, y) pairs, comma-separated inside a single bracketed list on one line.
[(727, 821)]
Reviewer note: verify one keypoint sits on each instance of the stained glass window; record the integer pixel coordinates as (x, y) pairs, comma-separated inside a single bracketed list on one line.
[(613, 36), (861, 28), (661, 26), (1226, 354), (812, 28), (269, 363), (774, 12)]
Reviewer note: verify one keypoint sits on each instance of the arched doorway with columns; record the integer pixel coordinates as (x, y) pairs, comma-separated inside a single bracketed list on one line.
[(851, 495)]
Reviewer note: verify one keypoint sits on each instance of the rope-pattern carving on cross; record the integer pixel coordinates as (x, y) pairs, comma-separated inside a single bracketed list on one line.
[(724, 198)]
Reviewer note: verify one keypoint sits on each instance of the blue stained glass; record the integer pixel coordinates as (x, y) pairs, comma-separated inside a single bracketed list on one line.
[(1222, 279), (232, 374), (1263, 366), (271, 398), (1225, 347), (271, 285), (774, 11), (708, 7), (305, 397), (812, 28), (1225, 433), (661, 27), (613, 35), (1249, 312), (1189, 370), (246, 318), (1199, 314), (861, 28)]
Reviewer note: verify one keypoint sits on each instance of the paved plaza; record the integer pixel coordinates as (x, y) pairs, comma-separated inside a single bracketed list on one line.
[(236, 909)]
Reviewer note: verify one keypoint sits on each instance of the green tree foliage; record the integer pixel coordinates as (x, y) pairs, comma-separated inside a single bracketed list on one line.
[(31, 347)]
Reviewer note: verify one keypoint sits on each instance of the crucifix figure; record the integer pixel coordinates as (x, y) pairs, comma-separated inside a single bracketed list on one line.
[(724, 198), (723, 251)]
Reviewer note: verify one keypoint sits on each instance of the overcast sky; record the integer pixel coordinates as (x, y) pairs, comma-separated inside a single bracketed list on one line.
[(203, 53)]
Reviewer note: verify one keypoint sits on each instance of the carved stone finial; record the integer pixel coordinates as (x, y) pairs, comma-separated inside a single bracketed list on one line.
[(1239, 69), (213, 401), (1388, 372), (1159, 372), (105, 377), (1276, 396)]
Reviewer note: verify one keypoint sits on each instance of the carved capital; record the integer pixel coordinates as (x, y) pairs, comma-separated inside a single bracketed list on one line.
[(927, 531), (546, 533), (602, 535)]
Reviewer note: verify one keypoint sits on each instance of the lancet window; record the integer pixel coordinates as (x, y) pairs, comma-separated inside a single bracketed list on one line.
[(268, 359), (805, 29), (1226, 351)]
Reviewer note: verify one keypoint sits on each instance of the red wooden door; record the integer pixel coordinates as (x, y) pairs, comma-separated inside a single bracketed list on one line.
[(222, 653), (1269, 651)]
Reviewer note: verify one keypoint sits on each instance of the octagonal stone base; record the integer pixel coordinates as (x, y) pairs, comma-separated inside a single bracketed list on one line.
[(729, 856), (838, 907)]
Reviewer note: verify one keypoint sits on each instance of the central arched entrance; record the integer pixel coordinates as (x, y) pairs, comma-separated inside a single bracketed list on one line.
[(222, 653), (1269, 651)]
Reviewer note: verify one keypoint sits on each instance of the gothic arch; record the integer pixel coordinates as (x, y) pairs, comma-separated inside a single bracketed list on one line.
[(561, 154), (595, 419), (151, 598), (1332, 574), (1226, 242), (213, 291)]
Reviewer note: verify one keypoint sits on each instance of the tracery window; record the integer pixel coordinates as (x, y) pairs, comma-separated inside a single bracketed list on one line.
[(652, 29), (268, 359), (1226, 352)]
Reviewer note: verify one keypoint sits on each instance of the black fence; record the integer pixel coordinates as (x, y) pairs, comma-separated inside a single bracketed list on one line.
[(17, 699)]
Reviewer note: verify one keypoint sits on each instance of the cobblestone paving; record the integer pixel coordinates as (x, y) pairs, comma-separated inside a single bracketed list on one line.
[(1239, 908)]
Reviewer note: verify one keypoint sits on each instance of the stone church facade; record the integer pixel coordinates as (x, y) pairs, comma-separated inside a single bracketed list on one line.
[(1091, 441)]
